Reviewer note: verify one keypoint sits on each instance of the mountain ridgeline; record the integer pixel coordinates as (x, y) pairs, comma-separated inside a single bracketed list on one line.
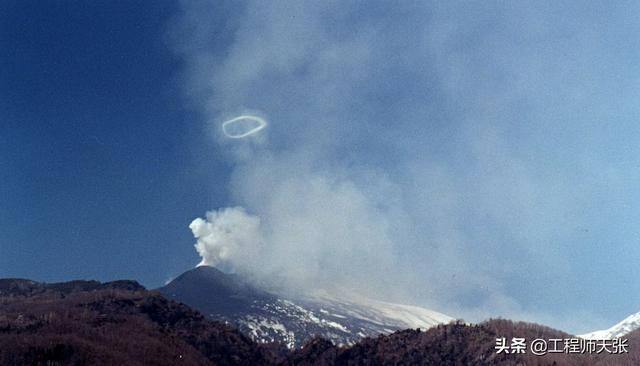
[(344, 318), (122, 323), (116, 323)]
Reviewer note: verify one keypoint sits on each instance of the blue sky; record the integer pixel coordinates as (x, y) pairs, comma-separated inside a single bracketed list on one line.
[(96, 160), (478, 158)]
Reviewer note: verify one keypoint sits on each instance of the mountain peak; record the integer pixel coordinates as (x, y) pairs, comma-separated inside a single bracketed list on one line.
[(205, 273), (207, 288), (626, 326), (292, 319)]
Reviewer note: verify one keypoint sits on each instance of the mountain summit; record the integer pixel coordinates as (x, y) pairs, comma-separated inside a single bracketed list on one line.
[(342, 318), (218, 294)]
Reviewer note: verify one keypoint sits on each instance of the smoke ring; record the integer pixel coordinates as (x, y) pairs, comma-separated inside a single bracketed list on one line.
[(261, 125)]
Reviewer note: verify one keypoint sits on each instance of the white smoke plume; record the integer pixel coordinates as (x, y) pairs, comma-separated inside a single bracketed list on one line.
[(317, 231), (438, 154), (226, 236)]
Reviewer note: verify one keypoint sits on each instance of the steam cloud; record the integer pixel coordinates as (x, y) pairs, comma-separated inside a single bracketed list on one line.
[(316, 232), (226, 235), (418, 152)]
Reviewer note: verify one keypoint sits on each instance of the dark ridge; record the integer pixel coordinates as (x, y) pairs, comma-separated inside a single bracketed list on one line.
[(121, 323), (126, 285), (455, 344), (22, 287), (72, 286), (17, 286), (115, 323)]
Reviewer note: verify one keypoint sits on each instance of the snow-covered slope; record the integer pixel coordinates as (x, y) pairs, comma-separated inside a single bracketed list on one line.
[(619, 330), (341, 317), (405, 316)]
